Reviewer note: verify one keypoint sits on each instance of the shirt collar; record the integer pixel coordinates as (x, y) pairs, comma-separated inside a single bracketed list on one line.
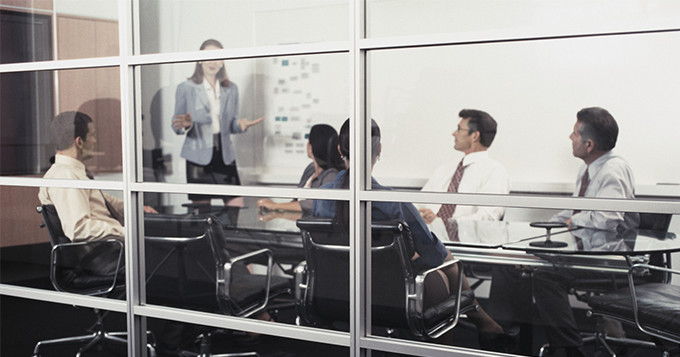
[(475, 157), (596, 165), (208, 88), (69, 161)]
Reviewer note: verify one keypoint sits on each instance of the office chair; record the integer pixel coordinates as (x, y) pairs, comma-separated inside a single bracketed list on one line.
[(72, 269), (652, 307), (322, 281), (189, 266), (587, 288)]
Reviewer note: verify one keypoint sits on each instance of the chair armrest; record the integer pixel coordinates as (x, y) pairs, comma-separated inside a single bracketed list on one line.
[(417, 297), (633, 270), (301, 285), (224, 281), (73, 266)]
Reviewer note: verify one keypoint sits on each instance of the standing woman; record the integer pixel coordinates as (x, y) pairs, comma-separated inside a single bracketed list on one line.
[(206, 109)]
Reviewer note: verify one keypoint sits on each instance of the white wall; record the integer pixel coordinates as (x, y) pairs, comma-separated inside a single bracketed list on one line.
[(533, 88)]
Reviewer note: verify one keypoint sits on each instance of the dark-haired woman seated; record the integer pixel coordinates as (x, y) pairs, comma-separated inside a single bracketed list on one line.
[(322, 148)]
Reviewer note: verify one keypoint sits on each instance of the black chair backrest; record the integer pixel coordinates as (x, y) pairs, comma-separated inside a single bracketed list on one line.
[(182, 261), (327, 254), (655, 221), (53, 225)]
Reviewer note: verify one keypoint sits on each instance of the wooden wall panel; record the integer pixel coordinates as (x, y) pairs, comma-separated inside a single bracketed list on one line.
[(96, 91), (29, 4), (20, 221)]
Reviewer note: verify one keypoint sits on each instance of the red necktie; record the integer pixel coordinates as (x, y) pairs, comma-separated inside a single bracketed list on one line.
[(585, 180), (447, 210)]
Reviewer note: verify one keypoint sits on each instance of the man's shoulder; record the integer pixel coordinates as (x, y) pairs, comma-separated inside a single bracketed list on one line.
[(59, 171), (616, 163)]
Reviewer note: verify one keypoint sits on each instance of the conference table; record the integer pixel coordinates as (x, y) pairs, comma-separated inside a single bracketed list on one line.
[(247, 227)]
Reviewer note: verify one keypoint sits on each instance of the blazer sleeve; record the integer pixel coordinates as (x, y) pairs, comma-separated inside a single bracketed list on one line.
[(181, 106)]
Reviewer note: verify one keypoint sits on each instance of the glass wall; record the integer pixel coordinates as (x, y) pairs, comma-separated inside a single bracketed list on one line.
[(215, 124)]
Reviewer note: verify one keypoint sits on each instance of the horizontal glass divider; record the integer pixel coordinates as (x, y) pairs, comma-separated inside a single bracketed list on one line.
[(417, 348), (492, 36), (241, 53), (231, 190), (41, 182), (526, 201), (246, 324), (58, 297), (80, 63), (28, 10)]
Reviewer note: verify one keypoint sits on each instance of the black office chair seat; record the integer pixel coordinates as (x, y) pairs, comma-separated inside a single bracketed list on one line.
[(433, 315), (249, 289), (658, 305)]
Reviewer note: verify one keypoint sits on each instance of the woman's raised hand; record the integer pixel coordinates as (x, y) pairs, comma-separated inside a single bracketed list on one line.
[(245, 123)]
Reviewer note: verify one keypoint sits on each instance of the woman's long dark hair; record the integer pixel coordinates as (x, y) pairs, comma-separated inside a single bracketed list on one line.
[(342, 207), (324, 141), (221, 76)]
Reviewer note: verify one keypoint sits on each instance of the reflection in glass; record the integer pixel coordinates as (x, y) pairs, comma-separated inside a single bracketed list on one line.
[(24, 245), (223, 260), (179, 25), (172, 337), (83, 30), (29, 231), (52, 321), (291, 93), (28, 101)]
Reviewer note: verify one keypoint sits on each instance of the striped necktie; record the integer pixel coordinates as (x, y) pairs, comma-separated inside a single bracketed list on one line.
[(446, 211), (585, 180)]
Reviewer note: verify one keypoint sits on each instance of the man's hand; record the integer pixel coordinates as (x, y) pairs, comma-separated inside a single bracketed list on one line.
[(245, 123), (266, 204), (181, 121), (427, 214)]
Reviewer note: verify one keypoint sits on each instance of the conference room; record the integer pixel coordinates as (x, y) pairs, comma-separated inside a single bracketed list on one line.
[(225, 247)]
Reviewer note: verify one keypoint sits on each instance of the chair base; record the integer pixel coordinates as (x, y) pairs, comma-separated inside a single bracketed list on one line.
[(96, 338), (205, 347)]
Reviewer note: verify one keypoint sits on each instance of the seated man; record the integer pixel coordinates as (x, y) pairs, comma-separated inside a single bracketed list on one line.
[(603, 175), (477, 172), (85, 214)]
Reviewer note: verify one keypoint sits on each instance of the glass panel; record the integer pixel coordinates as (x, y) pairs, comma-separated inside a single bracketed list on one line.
[(81, 214), (84, 29), (28, 101), (242, 23), (51, 321), (398, 18), (173, 336), (185, 243), (25, 246), (292, 94), (522, 85), (525, 282)]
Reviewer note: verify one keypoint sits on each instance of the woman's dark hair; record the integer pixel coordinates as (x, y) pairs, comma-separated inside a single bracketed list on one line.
[(342, 207), (324, 141), (221, 76)]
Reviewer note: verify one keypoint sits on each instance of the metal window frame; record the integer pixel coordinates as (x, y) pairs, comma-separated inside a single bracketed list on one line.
[(357, 47)]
